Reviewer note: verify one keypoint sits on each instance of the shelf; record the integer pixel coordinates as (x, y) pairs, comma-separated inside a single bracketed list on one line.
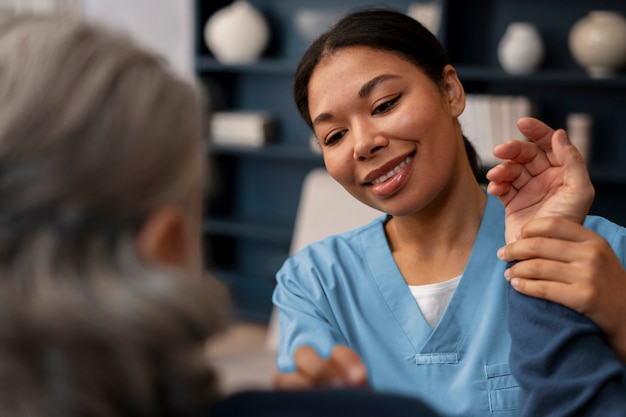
[(261, 229), (251, 295), (279, 152), (269, 66), (286, 66), (469, 73), (608, 175)]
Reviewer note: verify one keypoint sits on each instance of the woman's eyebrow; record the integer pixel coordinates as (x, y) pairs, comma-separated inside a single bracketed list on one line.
[(323, 117), (371, 84), (364, 91)]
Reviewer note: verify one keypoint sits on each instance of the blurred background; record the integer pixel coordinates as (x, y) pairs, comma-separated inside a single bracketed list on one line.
[(560, 60)]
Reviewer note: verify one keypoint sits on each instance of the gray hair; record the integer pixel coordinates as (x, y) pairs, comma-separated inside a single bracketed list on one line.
[(95, 132)]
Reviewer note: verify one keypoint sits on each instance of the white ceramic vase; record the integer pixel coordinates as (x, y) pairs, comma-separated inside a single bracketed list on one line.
[(598, 43), (237, 34), (521, 49)]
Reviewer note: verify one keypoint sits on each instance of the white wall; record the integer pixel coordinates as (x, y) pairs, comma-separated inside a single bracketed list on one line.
[(166, 26), (163, 25)]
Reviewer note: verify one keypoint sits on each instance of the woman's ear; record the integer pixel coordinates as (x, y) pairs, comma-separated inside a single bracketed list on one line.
[(453, 90), (162, 239)]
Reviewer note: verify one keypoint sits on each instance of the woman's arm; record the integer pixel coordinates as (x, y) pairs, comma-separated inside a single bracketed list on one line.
[(312, 352), (344, 368)]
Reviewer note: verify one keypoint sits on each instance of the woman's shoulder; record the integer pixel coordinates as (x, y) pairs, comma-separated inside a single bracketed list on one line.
[(349, 238), (614, 233), (344, 247), (603, 225)]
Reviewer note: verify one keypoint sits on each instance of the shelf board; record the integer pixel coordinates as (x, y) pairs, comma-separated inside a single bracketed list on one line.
[(264, 66), (608, 174), (553, 77), (263, 230), (251, 294), (287, 66), (229, 275), (269, 152)]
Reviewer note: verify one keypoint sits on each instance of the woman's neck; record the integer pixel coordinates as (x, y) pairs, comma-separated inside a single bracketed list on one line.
[(434, 244)]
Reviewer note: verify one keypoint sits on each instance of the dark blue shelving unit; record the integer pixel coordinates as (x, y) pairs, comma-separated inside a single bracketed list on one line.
[(254, 199)]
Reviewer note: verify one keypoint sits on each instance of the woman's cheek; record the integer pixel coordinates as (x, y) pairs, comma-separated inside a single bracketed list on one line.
[(404, 126)]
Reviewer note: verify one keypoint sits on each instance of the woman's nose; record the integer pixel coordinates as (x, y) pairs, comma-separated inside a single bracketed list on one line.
[(368, 142)]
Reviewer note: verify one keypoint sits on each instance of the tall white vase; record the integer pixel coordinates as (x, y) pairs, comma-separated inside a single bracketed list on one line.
[(598, 43), (521, 49), (237, 34)]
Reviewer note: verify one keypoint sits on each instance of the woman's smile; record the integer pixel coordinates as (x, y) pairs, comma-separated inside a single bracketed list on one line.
[(393, 178), (393, 172)]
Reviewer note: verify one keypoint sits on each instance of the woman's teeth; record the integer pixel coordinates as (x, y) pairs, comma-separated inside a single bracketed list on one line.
[(392, 172)]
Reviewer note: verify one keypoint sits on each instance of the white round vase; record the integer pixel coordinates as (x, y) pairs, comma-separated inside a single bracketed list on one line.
[(237, 34), (521, 49), (598, 43)]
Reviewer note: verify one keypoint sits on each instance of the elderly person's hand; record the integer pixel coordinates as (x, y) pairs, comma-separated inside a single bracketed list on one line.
[(543, 177)]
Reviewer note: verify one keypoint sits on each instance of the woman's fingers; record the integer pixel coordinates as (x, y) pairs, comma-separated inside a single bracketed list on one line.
[(548, 238), (291, 381), (344, 368), (319, 370), (349, 366)]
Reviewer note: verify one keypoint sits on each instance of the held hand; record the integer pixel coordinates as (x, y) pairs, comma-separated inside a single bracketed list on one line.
[(344, 368), (561, 261), (542, 178)]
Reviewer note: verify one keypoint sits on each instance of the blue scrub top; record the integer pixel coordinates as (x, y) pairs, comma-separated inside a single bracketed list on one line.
[(346, 289)]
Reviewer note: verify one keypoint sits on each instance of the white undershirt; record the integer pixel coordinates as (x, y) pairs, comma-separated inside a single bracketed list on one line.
[(433, 299)]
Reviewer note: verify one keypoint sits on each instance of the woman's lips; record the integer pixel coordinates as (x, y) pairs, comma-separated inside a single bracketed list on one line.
[(392, 172), (389, 183), (389, 172)]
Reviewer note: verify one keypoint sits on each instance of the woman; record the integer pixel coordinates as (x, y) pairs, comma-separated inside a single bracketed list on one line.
[(413, 303)]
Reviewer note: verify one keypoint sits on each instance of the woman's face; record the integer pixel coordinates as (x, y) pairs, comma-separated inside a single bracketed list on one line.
[(388, 133)]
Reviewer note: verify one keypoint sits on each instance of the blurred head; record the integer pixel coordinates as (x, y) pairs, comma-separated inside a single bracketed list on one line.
[(100, 152), (382, 30)]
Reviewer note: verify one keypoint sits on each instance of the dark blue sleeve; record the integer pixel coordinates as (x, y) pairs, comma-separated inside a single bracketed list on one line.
[(319, 403), (562, 362)]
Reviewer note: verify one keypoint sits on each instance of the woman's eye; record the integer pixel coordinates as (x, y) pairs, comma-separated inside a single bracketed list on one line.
[(387, 105), (334, 138)]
